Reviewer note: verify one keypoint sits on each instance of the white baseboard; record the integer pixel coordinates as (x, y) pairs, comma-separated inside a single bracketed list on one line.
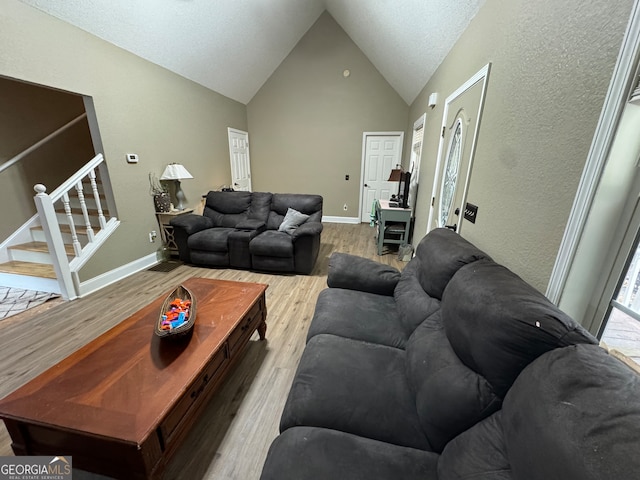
[(112, 276), (327, 219)]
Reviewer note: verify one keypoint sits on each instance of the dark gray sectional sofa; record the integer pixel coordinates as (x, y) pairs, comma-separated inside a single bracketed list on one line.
[(246, 230), (453, 369)]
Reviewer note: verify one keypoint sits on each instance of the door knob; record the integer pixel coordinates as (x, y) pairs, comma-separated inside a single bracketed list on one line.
[(453, 227), (366, 185)]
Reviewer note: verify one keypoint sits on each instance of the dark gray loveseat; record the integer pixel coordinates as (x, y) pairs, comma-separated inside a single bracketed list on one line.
[(274, 232), (454, 369)]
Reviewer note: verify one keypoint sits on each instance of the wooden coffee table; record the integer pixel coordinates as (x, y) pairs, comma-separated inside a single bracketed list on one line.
[(122, 404)]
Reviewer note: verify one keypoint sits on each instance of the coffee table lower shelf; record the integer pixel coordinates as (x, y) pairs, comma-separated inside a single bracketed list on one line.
[(130, 454)]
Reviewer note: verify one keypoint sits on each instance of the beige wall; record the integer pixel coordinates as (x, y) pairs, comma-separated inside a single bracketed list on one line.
[(28, 114), (307, 120), (141, 108), (551, 66)]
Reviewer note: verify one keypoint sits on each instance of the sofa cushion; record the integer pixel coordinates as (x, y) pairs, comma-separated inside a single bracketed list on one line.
[(479, 453), (272, 243), (440, 254), (413, 303), (363, 274), (312, 453), (449, 396), (226, 209), (355, 387), (574, 414), (260, 206), (497, 323), (308, 204), (357, 315), (211, 239), (292, 220)]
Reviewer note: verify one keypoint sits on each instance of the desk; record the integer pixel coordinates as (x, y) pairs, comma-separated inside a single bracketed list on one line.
[(392, 224), (166, 230)]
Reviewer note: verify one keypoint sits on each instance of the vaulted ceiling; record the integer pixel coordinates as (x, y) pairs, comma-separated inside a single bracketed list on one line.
[(233, 46)]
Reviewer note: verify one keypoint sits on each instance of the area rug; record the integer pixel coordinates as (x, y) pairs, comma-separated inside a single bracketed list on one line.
[(18, 300)]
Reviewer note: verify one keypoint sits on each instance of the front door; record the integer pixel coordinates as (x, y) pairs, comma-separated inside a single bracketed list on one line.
[(382, 153), (240, 164), (460, 126)]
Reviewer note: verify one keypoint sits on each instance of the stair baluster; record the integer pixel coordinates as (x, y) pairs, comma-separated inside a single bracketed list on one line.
[(96, 197), (74, 235), (85, 212)]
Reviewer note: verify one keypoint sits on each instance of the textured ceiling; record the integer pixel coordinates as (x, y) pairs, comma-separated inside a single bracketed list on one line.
[(233, 46)]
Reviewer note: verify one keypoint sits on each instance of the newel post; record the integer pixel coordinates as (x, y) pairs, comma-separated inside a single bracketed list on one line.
[(55, 242)]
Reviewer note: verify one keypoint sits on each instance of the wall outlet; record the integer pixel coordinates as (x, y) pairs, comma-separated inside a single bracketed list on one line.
[(345, 207), (152, 236)]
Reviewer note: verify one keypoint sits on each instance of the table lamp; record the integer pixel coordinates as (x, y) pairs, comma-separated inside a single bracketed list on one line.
[(176, 172), (396, 174)]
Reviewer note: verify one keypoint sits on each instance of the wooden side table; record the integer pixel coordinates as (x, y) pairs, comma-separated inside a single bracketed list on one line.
[(166, 230)]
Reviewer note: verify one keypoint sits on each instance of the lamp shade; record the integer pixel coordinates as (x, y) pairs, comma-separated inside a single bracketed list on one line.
[(396, 175), (175, 171)]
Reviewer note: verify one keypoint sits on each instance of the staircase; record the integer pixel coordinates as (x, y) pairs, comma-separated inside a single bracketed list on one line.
[(72, 222)]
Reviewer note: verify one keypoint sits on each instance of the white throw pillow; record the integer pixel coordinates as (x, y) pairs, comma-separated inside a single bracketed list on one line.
[(292, 220)]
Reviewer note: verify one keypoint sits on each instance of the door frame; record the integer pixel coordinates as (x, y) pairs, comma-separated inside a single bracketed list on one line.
[(481, 75), (415, 161), (231, 130), (364, 159)]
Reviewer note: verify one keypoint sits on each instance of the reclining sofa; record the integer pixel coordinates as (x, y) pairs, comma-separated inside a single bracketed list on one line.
[(274, 232), (453, 369)]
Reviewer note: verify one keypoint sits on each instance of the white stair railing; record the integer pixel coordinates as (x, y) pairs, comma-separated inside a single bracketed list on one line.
[(46, 207), (55, 242)]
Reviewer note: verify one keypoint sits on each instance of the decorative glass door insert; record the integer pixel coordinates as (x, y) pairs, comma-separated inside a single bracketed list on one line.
[(450, 176)]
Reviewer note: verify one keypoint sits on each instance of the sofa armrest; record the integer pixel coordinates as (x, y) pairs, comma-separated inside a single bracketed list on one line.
[(251, 224), (191, 223), (359, 273), (309, 228)]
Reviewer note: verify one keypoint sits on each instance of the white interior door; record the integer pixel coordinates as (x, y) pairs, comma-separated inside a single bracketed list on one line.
[(240, 162), (460, 126), (382, 153)]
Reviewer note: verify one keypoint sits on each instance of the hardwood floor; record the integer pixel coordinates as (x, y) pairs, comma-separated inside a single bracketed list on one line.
[(233, 435)]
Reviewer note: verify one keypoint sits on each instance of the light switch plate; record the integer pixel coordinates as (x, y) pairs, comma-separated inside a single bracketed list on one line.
[(470, 212)]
